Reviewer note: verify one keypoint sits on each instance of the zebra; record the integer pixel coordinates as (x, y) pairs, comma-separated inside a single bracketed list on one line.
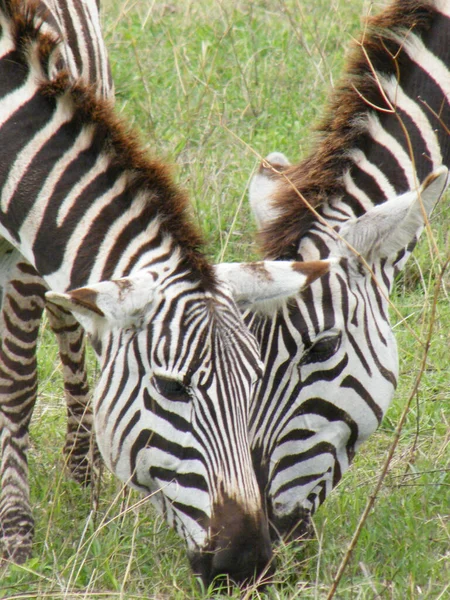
[(82, 52), (330, 358), (107, 230)]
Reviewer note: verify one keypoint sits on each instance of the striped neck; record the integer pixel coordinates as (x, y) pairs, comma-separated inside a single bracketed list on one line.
[(382, 135), (78, 197)]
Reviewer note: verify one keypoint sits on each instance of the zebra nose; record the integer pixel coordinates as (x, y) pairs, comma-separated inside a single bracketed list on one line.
[(239, 549)]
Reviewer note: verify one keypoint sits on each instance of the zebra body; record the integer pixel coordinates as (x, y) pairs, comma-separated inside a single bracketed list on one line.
[(89, 211), (83, 54), (330, 358)]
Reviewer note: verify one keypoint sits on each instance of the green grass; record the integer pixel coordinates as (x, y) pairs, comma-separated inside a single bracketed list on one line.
[(211, 85)]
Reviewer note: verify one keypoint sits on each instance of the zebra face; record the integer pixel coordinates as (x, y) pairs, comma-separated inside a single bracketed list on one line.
[(330, 359), (178, 370), (321, 395)]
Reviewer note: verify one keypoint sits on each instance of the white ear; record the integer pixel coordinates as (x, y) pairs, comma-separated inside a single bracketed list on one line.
[(262, 188), (251, 283), (118, 303), (389, 227)]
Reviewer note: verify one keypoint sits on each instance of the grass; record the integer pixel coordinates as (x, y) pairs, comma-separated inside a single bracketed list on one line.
[(212, 85)]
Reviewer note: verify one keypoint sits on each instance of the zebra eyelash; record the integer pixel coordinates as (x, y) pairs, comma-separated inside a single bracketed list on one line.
[(322, 349)]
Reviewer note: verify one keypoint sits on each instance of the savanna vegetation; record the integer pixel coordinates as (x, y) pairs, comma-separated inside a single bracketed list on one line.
[(212, 85)]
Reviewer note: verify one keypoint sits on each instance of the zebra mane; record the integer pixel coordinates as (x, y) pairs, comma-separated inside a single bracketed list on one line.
[(148, 178), (319, 176)]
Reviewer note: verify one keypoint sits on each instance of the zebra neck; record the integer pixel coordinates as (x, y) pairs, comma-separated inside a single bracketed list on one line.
[(78, 198), (87, 219), (385, 130)]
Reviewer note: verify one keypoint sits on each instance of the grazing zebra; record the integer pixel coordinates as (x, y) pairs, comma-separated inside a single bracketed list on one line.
[(83, 54), (92, 214), (330, 357)]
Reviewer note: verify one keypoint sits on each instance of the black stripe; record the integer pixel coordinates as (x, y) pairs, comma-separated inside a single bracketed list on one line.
[(351, 383), (21, 127), (12, 77), (48, 262), (386, 161), (186, 480), (40, 167), (298, 481), (291, 460), (367, 184), (326, 374)]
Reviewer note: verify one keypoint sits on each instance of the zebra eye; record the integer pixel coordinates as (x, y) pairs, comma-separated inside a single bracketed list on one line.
[(322, 349), (171, 388)]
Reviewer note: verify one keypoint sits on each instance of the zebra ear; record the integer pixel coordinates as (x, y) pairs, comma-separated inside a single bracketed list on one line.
[(263, 186), (252, 283), (118, 303), (389, 227)]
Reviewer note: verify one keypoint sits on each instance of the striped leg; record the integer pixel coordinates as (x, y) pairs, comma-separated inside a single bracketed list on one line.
[(80, 448), (21, 312)]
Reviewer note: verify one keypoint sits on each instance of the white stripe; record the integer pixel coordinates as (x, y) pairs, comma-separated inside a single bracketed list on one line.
[(7, 43), (392, 145), (25, 157), (428, 62), (98, 46), (11, 103), (132, 249), (82, 43), (360, 159), (32, 223), (114, 231), (443, 6), (99, 167), (398, 98), (61, 279)]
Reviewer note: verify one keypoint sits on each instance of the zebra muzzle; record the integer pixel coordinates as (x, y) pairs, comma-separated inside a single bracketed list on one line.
[(239, 551)]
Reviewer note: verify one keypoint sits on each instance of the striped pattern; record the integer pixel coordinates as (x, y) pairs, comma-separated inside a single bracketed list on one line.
[(83, 52), (83, 205), (84, 55), (330, 359)]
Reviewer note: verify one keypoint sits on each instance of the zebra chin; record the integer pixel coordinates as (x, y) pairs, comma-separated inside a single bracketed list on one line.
[(239, 550)]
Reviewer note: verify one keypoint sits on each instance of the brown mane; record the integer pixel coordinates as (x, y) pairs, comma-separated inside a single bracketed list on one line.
[(319, 176), (123, 146)]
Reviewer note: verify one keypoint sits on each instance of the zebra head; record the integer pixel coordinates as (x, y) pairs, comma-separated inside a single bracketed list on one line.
[(330, 357), (178, 368)]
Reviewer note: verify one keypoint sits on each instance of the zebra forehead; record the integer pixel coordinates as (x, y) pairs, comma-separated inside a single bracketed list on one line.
[(207, 325)]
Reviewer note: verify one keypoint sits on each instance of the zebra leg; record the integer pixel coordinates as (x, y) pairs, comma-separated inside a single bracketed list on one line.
[(80, 448), (21, 312)]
